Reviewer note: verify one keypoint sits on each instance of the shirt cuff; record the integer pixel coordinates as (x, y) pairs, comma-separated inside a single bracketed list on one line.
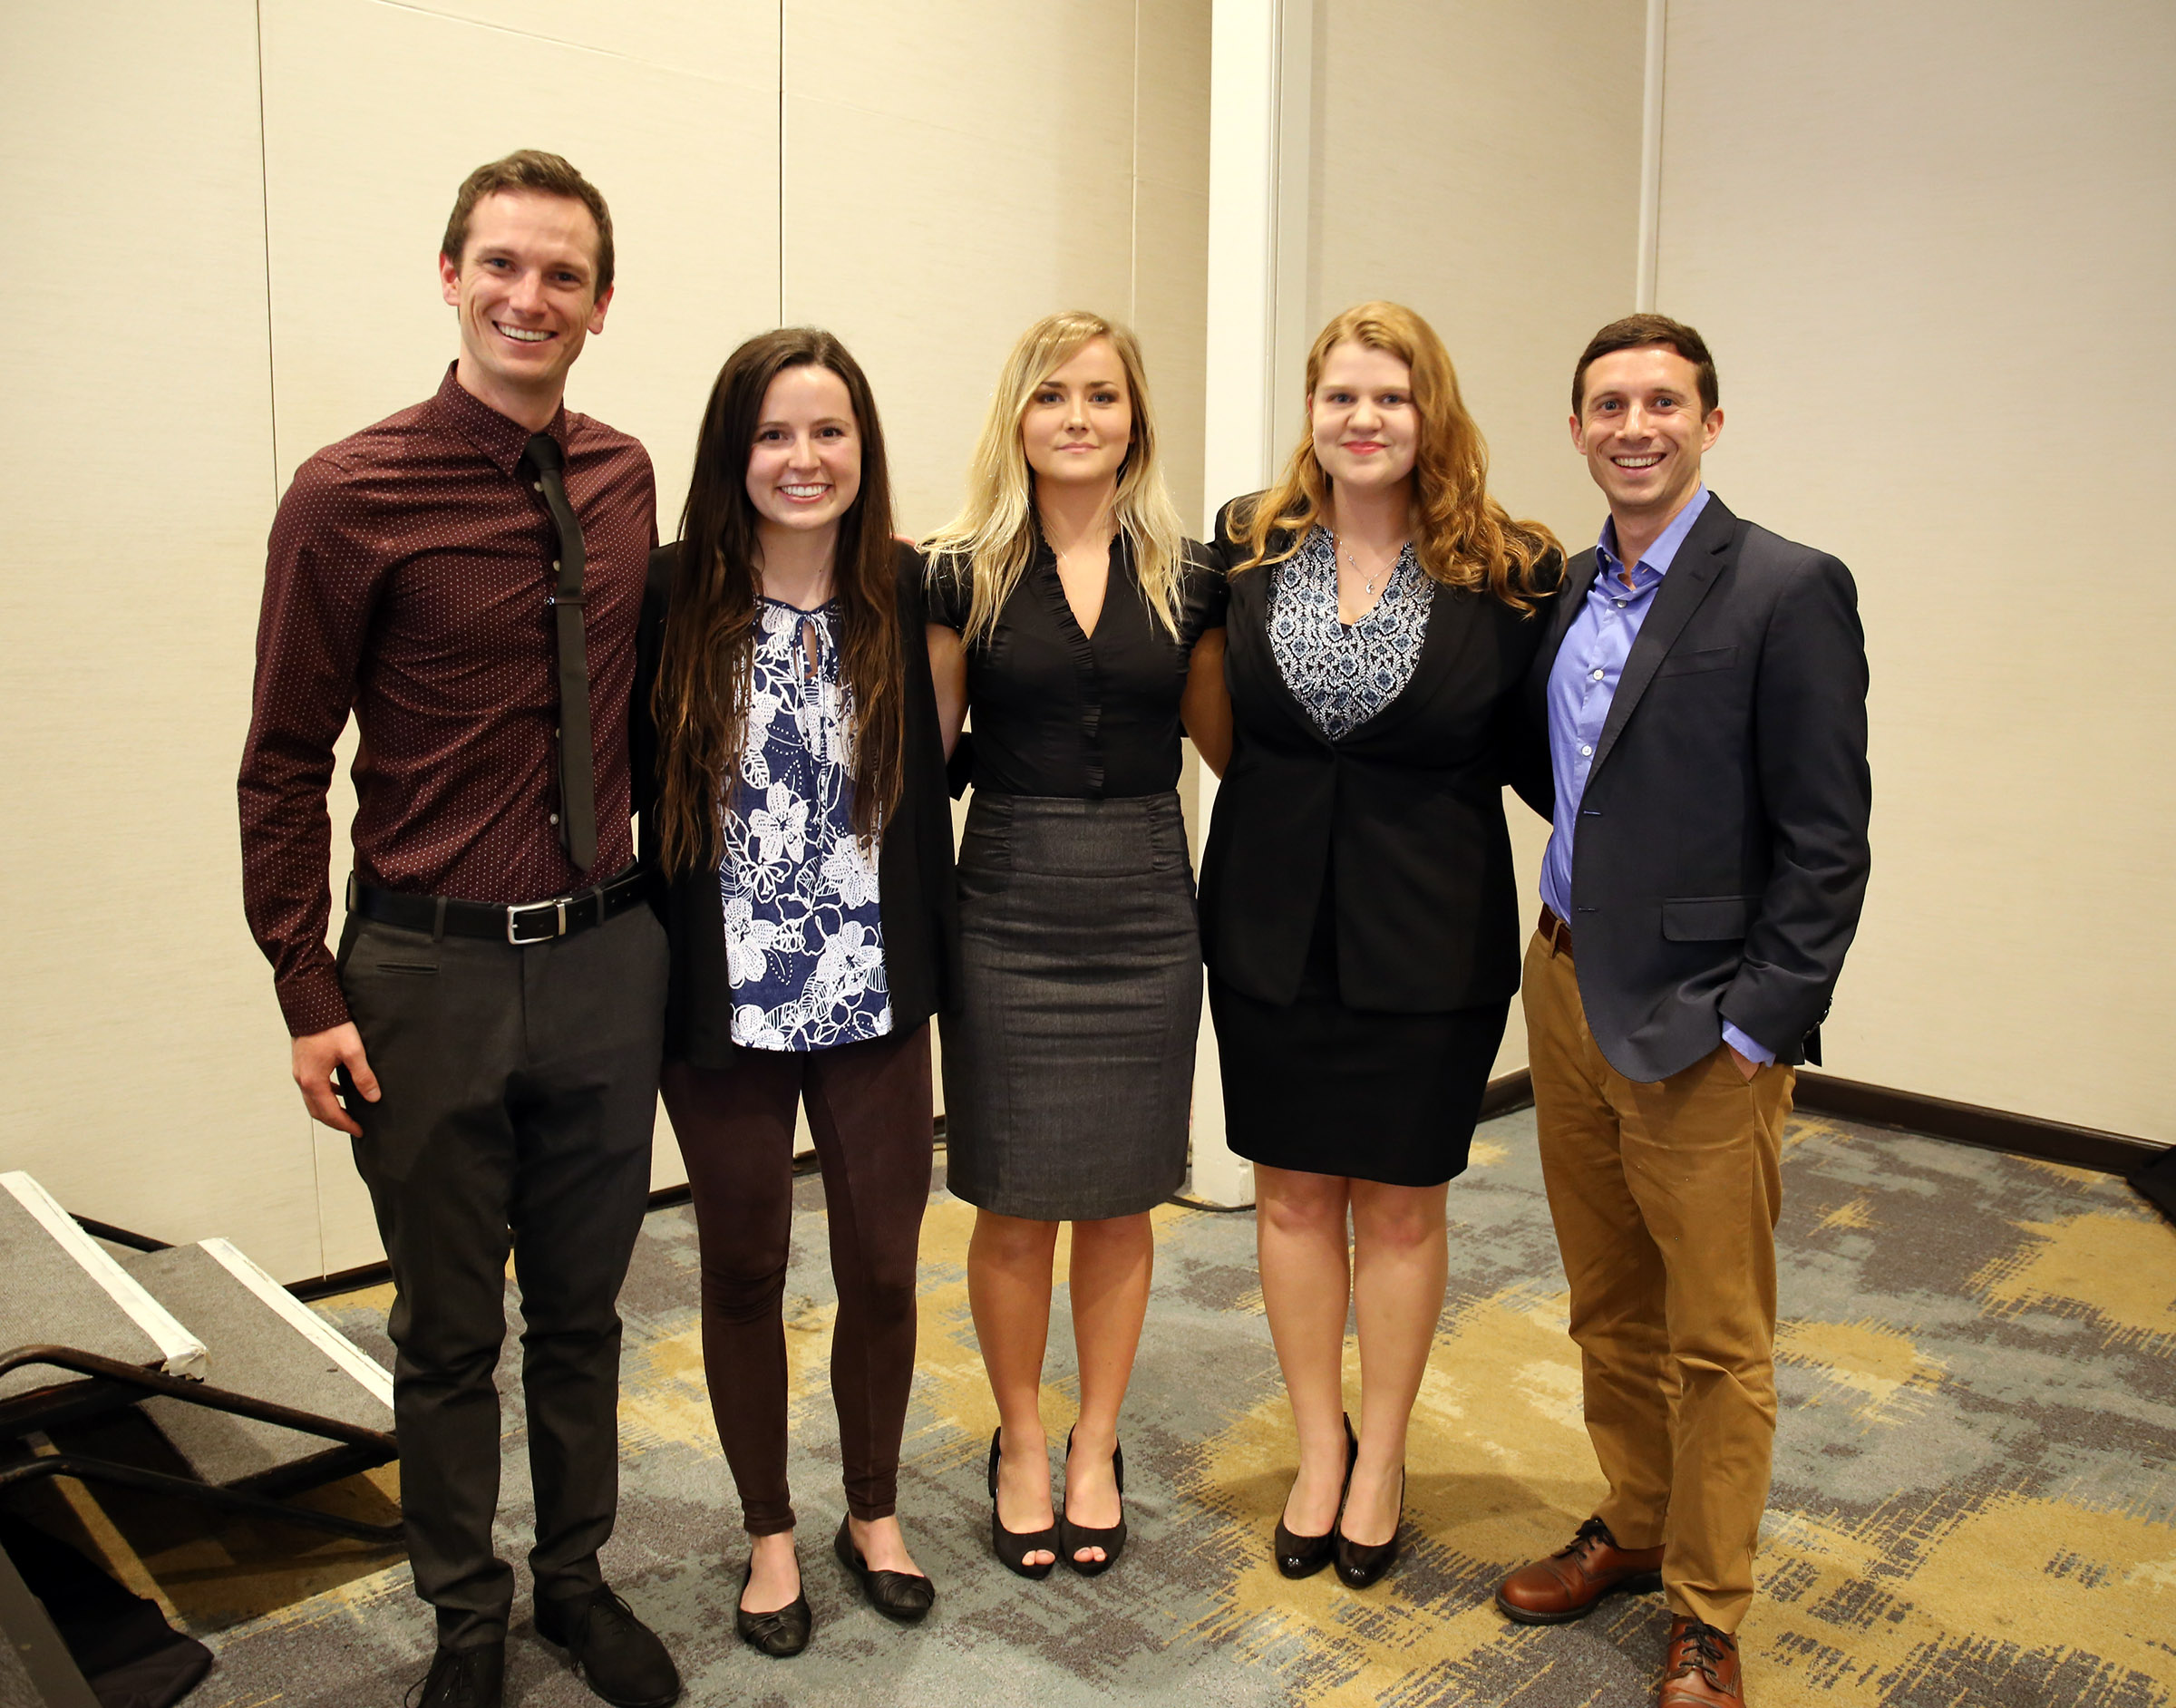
[(1750, 1049), (311, 1000)]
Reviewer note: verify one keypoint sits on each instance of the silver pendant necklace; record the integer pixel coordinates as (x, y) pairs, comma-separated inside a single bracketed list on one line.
[(1340, 549)]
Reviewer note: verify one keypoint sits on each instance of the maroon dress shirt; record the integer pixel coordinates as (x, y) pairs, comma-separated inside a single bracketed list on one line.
[(406, 579)]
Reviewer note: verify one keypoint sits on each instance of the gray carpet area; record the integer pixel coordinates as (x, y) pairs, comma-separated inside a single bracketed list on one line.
[(1972, 1504)]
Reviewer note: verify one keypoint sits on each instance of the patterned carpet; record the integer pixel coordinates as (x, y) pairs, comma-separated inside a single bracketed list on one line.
[(1973, 1502)]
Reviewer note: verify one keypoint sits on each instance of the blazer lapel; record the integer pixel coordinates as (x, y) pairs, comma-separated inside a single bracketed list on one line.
[(1702, 557)]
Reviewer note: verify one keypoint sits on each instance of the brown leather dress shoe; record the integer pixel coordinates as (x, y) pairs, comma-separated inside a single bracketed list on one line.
[(1568, 1584), (1701, 1670)]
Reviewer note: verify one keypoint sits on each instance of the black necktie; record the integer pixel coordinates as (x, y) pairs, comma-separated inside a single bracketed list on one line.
[(577, 780)]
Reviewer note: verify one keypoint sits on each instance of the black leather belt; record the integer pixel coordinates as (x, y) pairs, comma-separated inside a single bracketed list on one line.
[(520, 923)]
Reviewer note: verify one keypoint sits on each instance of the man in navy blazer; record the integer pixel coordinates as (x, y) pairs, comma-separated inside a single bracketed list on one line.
[(1694, 729)]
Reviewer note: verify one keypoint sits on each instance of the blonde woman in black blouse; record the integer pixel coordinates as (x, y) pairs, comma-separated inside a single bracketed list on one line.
[(1070, 612)]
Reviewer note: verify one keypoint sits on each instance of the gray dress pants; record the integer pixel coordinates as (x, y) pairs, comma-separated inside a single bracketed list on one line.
[(518, 1091)]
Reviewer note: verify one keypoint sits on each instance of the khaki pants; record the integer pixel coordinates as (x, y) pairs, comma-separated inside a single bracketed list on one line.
[(1665, 1197)]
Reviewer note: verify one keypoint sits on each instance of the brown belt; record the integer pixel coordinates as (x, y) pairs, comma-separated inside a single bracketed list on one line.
[(1554, 932)]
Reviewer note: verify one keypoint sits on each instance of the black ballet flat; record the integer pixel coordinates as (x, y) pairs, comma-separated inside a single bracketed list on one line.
[(1304, 1556), (1360, 1564), (782, 1633), (1013, 1547), (1073, 1538), (904, 1597)]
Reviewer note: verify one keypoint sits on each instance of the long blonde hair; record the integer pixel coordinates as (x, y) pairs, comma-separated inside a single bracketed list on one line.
[(1461, 537), (994, 535)]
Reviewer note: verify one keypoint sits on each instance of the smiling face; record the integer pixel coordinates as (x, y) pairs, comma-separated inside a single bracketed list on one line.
[(1367, 432), (526, 292), (1079, 421), (1640, 429), (804, 469)]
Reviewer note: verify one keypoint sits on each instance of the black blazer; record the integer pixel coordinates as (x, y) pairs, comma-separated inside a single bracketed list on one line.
[(1404, 814), (1720, 857), (914, 862)]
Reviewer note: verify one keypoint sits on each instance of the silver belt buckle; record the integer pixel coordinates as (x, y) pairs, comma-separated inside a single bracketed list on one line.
[(557, 908)]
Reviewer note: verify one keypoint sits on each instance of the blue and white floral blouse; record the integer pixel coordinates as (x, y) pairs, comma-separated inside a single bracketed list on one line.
[(804, 940), (1343, 674)]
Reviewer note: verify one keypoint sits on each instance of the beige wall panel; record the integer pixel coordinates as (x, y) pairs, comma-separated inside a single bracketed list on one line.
[(928, 230), (1170, 305), (145, 1080), (1171, 232), (732, 40), (1931, 248), (1481, 164), (686, 152)]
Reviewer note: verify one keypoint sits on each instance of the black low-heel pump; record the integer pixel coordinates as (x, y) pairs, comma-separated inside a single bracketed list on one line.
[(1013, 1547), (1073, 1538), (1304, 1556), (1360, 1564)]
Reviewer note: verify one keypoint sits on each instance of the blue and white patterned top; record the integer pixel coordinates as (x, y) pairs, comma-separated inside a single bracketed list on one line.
[(804, 940), (1344, 674)]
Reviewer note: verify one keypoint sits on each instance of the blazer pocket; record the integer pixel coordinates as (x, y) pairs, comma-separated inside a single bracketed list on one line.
[(1705, 918), (1709, 658)]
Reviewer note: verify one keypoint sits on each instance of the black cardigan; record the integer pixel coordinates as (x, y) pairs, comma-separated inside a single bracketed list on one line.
[(914, 864), (1404, 815)]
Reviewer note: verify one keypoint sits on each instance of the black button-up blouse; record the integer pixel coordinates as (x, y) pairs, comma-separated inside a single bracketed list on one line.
[(1060, 714)]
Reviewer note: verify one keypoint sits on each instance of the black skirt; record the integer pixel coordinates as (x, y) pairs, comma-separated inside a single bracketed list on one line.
[(1320, 1088)]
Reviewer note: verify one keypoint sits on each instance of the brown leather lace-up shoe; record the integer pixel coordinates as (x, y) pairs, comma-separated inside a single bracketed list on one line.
[(1701, 1670), (1568, 1584)]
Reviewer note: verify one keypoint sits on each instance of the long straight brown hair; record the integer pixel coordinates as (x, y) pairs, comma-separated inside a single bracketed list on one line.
[(1461, 537), (701, 699)]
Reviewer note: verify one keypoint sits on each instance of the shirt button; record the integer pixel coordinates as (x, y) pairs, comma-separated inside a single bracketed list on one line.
[(555, 818), (1584, 753), (535, 486), (1597, 674), (555, 563), (1620, 605)]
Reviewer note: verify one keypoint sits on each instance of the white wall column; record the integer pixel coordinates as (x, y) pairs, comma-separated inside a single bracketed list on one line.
[(1261, 59)]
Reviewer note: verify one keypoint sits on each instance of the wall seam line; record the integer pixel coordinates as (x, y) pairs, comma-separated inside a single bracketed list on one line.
[(782, 162), (264, 191)]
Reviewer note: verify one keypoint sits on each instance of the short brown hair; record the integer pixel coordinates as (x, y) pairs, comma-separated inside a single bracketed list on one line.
[(541, 174), (1638, 332)]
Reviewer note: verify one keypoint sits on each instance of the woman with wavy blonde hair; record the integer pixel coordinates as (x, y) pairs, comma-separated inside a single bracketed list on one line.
[(1358, 914), (1070, 612)]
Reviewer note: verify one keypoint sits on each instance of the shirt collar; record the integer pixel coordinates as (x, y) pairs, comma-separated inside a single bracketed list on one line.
[(1658, 556), (501, 441)]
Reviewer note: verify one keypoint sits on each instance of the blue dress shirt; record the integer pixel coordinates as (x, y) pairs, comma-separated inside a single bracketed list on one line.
[(1582, 684)]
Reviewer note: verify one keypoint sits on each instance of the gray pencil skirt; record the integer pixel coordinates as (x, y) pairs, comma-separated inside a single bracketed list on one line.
[(1069, 1071)]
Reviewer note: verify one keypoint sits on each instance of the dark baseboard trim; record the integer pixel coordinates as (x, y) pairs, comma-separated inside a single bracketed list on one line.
[(376, 1275), (1513, 1090), (1821, 1093), (1970, 1124), (1931, 1117)]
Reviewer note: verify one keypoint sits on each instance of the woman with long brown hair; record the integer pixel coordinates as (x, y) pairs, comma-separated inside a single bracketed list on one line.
[(1071, 612), (802, 824), (1358, 913)]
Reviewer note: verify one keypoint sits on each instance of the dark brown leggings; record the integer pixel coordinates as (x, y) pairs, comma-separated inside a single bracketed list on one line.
[(869, 1112)]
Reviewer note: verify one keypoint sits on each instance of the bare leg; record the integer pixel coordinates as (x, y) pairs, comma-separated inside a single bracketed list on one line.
[(774, 1579), (1299, 1237), (1009, 1263), (1108, 1281), (1400, 1260), (882, 1544)]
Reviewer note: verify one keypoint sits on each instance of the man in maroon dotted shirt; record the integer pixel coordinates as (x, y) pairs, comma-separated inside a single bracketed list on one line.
[(493, 1020)]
